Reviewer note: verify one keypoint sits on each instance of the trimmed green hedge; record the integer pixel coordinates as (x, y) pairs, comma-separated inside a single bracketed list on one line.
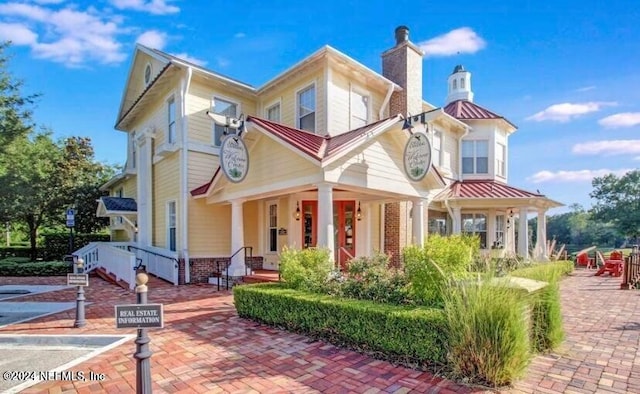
[(402, 334), (17, 251), (56, 245), (546, 331), (49, 268)]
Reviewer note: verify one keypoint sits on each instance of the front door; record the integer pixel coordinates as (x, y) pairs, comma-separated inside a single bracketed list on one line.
[(343, 225), (345, 232)]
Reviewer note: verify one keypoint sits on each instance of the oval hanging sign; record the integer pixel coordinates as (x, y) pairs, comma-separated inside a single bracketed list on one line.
[(234, 158), (417, 156)]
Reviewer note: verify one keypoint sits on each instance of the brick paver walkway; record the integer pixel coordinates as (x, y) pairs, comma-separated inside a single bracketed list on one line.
[(205, 347)]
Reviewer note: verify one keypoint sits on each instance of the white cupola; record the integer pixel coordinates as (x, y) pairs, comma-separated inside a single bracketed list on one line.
[(459, 85)]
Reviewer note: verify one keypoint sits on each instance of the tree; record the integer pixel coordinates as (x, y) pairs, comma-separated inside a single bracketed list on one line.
[(30, 190), (618, 201), (42, 178), (15, 116)]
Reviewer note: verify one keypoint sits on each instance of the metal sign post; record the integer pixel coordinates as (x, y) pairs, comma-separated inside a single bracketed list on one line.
[(141, 316), (71, 222), (81, 280)]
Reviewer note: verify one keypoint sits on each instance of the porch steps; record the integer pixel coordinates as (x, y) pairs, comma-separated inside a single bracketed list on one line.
[(261, 276), (111, 278)]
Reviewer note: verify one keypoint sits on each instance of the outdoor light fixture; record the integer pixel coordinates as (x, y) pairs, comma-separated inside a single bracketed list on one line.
[(297, 211), (359, 212)]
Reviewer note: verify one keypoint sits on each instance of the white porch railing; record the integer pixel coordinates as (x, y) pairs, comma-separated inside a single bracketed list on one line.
[(122, 258), (162, 263)]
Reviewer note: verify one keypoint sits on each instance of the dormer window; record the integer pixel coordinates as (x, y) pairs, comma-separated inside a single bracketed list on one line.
[(455, 84), (475, 157), (462, 84), (171, 127), (147, 74)]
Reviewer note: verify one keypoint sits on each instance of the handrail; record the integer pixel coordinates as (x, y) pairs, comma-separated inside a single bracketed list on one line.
[(153, 253)]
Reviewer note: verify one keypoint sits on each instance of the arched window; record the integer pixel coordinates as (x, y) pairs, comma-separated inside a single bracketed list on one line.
[(462, 83), (455, 84)]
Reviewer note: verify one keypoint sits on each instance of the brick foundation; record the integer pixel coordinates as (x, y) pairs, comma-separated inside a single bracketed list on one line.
[(203, 268)]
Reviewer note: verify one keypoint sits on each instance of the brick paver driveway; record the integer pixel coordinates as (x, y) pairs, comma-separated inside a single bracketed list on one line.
[(205, 347)]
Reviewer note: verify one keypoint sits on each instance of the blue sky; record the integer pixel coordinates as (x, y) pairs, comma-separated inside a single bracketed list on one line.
[(565, 72)]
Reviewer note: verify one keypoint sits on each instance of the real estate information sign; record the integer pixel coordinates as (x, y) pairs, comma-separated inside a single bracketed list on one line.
[(139, 316)]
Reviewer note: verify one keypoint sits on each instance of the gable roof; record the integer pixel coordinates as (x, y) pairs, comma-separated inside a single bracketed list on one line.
[(467, 110), (316, 147)]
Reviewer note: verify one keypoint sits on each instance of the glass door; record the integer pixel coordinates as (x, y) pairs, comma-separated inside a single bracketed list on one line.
[(309, 224), (345, 232)]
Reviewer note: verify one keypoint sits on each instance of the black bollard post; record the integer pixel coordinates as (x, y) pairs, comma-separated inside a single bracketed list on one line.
[(143, 354), (80, 321)]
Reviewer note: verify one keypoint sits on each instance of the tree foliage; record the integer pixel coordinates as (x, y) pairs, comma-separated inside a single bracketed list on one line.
[(15, 112), (618, 201), (42, 178)]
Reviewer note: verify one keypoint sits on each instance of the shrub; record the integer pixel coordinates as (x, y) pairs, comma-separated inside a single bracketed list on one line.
[(15, 260), (399, 333), (50, 268), (372, 278), (488, 336), (18, 251), (441, 259), (305, 269), (546, 330), (56, 245)]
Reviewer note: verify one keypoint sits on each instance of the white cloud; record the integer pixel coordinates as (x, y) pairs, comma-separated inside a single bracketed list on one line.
[(573, 176), (585, 89), (564, 112), (152, 39), (17, 33), (624, 119), (70, 36), (239, 35), (156, 7), (607, 147), (462, 40), (637, 158), (190, 59)]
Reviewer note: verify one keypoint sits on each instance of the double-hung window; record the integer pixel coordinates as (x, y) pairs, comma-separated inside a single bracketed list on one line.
[(171, 225), (501, 156), (475, 157), (273, 228), (307, 109), (359, 110), (437, 148), (222, 107), (475, 224), (171, 129), (273, 112)]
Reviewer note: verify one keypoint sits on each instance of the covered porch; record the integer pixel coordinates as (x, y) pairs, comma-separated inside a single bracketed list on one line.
[(498, 214)]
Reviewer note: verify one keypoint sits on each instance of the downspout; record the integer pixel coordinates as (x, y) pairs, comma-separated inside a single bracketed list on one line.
[(386, 102), (466, 132), (184, 178)]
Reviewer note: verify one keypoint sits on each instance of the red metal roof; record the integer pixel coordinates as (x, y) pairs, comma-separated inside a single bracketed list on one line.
[(485, 189), (307, 142), (463, 109)]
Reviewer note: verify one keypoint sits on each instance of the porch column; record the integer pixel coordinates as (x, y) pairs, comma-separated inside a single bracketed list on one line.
[(326, 236), (523, 234), (541, 239), (417, 221), (491, 228), (457, 221), (237, 267)]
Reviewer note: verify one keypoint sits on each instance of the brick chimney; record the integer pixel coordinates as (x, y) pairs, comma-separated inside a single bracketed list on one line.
[(402, 64)]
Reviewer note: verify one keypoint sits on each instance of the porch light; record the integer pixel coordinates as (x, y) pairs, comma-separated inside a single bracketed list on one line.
[(297, 211), (359, 212)]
